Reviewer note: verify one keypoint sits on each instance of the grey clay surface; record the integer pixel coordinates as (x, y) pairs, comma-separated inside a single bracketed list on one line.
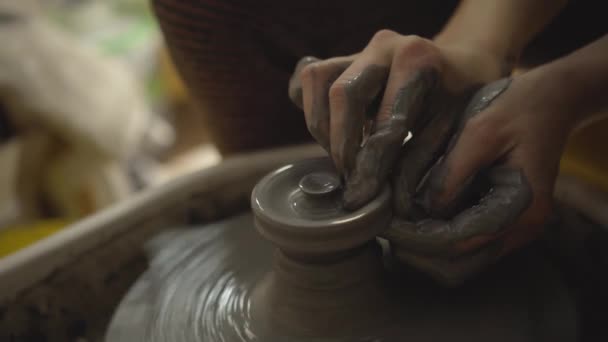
[(200, 283), (302, 215), (325, 278)]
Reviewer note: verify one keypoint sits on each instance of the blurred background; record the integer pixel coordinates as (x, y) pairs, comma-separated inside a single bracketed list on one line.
[(91, 111)]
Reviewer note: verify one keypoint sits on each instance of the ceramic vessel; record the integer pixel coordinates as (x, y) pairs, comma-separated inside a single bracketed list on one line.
[(325, 277)]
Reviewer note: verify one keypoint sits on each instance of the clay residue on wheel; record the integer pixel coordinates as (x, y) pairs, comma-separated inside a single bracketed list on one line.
[(200, 280)]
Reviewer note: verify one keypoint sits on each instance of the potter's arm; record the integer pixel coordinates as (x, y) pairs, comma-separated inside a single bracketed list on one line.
[(580, 80), (533, 117), (499, 27), (395, 79)]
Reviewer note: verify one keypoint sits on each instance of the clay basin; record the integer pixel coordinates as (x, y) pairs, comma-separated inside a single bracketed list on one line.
[(325, 277), (139, 271)]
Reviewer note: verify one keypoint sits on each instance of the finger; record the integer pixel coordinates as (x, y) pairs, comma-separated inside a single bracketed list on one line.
[(378, 155), (508, 198), (295, 81), (476, 144), (351, 96), (415, 70), (424, 149), (316, 79), (440, 198), (451, 271)]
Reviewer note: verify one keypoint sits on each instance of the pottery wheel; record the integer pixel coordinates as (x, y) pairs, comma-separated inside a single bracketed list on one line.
[(201, 285)]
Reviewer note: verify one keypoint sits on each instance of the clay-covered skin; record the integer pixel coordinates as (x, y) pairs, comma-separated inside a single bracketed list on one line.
[(361, 92), (448, 114), (437, 245), (481, 100), (367, 160), (376, 158), (428, 143), (371, 154), (488, 203), (322, 75)]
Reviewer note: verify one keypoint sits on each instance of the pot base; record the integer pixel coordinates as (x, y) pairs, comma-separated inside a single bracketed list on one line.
[(201, 287)]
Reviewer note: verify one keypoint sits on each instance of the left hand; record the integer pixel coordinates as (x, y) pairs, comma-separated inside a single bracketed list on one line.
[(511, 139)]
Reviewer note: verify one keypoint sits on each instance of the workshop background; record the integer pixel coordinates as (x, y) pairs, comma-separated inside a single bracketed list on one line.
[(92, 111)]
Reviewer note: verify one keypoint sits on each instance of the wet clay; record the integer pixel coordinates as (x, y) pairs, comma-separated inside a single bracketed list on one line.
[(224, 282), (325, 259), (360, 94), (321, 77), (376, 158), (431, 135), (201, 280), (445, 118), (509, 197), (433, 238), (480, 100), (366, 141)]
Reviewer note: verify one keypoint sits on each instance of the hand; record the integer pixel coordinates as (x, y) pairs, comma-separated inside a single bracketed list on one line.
[(385, 90), (508, 146)]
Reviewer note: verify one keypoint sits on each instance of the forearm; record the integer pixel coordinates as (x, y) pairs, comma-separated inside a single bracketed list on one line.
[(499, 27), (579, 81)]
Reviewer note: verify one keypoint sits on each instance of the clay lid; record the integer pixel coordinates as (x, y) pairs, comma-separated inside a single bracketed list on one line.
[(299, 208)]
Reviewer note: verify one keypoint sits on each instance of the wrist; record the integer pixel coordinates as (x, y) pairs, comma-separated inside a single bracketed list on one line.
[(467, 65), (557, 97), (571, 95), (501, 58)]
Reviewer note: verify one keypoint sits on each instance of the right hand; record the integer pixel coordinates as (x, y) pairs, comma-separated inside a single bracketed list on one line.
[(396, 85)]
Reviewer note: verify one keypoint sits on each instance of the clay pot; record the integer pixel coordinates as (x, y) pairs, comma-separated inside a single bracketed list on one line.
[(331, 279), (325, 277)]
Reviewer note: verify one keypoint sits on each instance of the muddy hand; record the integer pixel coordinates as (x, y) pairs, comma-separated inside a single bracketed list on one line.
[(382, 88), (309, 90), (492, 190), (453, 249), (360, 108), (448, 113)]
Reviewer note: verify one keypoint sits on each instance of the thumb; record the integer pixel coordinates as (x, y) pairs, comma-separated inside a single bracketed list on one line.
[(475, 145), (451, 179)]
